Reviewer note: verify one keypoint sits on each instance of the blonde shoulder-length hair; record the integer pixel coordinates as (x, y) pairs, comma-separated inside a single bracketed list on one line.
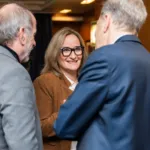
[(53, 51)]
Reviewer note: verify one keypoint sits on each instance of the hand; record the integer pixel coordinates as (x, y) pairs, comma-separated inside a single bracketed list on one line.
[(64, 101)]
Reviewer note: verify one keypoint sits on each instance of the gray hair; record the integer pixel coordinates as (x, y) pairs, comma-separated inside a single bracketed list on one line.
[(129, 15), (12, 20)]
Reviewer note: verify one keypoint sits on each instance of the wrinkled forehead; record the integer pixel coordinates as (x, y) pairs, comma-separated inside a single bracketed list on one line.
[(34, 22)]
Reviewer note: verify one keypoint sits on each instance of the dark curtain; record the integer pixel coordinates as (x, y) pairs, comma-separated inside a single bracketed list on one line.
[(43, 36)]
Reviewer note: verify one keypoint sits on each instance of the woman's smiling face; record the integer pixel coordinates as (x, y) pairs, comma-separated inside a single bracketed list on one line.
[(72, 62)]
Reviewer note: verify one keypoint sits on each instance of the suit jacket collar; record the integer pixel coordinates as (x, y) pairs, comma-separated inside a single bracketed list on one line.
[(5, 51), (65, 83), (125, 38)]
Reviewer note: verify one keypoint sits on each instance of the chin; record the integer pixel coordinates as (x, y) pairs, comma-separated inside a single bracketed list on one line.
[(25, 60), (74, 69)]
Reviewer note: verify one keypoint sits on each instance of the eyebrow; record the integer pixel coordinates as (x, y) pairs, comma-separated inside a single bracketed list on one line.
[(70, 47)]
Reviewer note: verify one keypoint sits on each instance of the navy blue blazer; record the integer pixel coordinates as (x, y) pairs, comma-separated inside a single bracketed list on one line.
[(110, 107)]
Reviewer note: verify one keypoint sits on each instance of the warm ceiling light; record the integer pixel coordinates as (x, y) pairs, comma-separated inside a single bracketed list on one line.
[(87, 1), (67, 18), (64, 11)]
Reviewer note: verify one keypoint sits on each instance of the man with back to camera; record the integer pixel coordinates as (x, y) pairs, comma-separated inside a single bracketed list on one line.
[(109, 109), (19, 121)]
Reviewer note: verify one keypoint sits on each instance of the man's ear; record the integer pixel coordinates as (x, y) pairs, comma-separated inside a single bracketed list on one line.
[(107, 21), (22, 36)]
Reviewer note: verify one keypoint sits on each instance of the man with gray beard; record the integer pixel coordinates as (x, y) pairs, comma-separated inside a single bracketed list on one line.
[(19, 121)]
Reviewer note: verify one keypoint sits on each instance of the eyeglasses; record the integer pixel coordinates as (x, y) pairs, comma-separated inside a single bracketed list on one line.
[(66, 51)]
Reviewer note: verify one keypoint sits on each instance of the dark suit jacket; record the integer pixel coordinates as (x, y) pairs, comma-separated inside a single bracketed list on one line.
[(50, 91), (110, 107)]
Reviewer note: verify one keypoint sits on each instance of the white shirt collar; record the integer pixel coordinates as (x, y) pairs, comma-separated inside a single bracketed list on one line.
[(73, 84)]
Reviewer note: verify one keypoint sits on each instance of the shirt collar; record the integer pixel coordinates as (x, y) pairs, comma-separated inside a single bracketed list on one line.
[(125, 38)]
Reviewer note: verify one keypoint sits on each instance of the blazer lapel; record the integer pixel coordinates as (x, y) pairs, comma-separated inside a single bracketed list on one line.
[(65, 83)]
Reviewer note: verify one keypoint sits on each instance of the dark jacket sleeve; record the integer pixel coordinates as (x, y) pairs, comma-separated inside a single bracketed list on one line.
[(86, 100)]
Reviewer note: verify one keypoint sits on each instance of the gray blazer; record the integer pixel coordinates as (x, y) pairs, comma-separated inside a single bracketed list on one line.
[(19, 121)]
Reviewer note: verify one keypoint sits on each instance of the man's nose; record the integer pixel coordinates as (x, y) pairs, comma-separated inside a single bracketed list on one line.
[(34, 43)]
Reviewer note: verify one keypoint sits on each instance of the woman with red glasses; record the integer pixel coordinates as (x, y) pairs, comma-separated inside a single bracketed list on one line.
[(64, 58)]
